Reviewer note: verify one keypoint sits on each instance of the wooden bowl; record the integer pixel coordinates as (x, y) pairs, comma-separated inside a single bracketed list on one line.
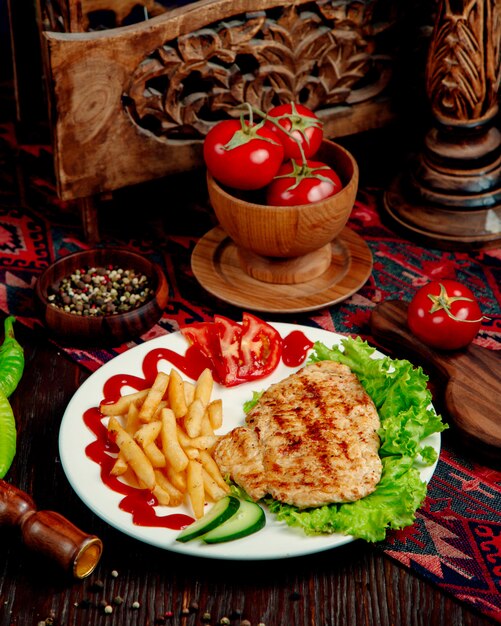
[(109, 329), (287, 244)]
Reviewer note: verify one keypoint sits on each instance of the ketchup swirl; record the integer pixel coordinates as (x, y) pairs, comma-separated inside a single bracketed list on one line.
[(140, 503)]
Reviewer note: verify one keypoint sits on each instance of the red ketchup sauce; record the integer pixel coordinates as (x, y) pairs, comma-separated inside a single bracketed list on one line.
[(295, 348), (138, 502)]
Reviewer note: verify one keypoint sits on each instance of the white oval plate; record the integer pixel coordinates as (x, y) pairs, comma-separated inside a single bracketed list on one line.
[(275, 541)]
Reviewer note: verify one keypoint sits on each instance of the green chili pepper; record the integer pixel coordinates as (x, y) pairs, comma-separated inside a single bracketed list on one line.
[(11, 370), (8, 435), (11, 359)]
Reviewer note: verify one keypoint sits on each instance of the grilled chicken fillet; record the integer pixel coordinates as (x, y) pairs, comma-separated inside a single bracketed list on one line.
[(310, 440)]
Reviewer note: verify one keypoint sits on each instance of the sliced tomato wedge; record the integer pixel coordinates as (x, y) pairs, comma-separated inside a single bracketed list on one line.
[(238, 352), (229, 333), (205, 336), (260, 348)]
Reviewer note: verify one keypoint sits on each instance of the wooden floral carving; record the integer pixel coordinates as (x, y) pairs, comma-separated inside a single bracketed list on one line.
[(323, 54), (450, 193), (463, 76)]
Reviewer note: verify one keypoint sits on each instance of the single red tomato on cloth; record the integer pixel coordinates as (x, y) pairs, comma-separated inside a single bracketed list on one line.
[(302, 183), (303, 128), (238, 352), (241, 154), (444, 314)]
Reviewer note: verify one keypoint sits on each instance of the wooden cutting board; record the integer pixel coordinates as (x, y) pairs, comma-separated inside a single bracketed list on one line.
[(465, 384)]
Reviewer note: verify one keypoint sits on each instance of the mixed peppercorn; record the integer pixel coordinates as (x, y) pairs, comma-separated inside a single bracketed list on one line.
[(190, 609), (96, 291)]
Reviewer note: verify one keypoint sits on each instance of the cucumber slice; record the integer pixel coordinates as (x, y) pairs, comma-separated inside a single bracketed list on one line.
[(219, 513), (248, 519)]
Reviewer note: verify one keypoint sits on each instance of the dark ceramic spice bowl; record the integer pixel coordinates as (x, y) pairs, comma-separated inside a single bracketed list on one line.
[(104, 329)]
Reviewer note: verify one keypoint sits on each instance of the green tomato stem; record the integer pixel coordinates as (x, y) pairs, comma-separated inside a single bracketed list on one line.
[(275, 121), (443, 302), (251, 118)]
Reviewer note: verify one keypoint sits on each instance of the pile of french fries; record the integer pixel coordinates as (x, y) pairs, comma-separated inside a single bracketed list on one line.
[(165, 435)]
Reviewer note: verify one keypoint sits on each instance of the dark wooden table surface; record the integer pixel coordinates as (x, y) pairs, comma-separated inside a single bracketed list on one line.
[(353, 585)]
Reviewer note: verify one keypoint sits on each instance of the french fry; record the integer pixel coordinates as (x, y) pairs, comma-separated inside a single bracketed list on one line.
[(203, 386), (133, 454), (192, 453), (177, 479), (175, 394), (194, 418), (172, 450), (176, 495), (165, 435), (155, 455), (147, 433), (162, 405), (162, 496), (131, 479), (154, 397), (195, 484), (145, 437), (120, 466), (121, 406), (132, 422), (212, 469), (215, 413), (206, 427), (212, 489), (204, 442), (189, 392), (182, 437)]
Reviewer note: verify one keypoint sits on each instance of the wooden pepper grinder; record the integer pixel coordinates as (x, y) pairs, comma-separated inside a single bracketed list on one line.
[(49, 533), (450, 194)]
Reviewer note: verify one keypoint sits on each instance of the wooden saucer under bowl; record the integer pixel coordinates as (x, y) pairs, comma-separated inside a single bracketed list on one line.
[(216, 265)]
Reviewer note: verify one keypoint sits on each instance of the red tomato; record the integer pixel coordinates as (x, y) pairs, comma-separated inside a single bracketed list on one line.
[(260, 348), (242, 156), (229, 335), (205, 336), (302, 123), (444, 314), (298, 184), (238, 352)]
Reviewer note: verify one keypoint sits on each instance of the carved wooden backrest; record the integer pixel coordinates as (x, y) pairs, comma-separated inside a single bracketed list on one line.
[(134, 103)]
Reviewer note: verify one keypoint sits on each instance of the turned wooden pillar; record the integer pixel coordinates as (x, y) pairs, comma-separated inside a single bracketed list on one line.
[(450, 193)]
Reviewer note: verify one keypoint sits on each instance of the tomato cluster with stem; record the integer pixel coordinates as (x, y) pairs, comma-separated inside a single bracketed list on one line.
[(274, 154)]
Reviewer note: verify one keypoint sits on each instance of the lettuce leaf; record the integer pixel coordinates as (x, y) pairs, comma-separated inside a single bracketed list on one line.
[(253, 401), (402, 398)]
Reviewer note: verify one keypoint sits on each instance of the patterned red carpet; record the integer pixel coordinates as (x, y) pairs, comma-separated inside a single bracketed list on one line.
[(456, 540)]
